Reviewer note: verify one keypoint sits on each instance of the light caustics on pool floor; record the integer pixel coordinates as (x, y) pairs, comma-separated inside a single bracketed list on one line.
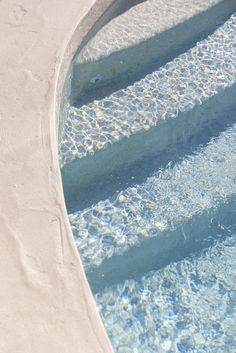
[(149, 175), (188, 306), (190, 79), (171, 196)]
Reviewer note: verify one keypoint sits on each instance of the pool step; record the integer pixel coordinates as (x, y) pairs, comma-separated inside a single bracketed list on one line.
[(164, 150), (140, 40), (189, 306), (152, 113), (98, 176), (109, 234)]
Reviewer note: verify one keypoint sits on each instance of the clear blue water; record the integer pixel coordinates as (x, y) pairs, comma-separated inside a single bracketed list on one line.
[(182, 300), (154, 214), (188, 306)]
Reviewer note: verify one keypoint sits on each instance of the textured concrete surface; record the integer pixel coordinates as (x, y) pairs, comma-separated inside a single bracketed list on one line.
[(46, 304)]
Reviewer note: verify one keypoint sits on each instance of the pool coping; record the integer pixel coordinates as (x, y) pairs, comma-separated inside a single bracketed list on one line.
[(46, 303)]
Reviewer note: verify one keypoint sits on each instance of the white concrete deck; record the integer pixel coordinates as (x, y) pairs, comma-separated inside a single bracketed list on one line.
[(46, 304)]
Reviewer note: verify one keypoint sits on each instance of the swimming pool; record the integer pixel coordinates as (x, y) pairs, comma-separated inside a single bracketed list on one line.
[(149, 176)]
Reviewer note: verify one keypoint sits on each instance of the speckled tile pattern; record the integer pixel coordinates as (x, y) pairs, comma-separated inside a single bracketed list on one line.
[(187, 307), (173, 195), (140, 23), (188, 80)]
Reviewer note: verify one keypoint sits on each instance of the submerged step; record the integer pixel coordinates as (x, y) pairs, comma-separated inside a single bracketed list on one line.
[(98, 176), (188, 80), (192, 187), (146, 36), (157, 252), (164, 150), (189, 306)]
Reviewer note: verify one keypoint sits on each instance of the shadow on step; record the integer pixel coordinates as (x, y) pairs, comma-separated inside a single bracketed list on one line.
[(154, 253), (115, 10), (126, 66), (130, 161)]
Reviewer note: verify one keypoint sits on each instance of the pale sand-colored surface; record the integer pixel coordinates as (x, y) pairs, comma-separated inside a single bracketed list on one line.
[(45, 301)]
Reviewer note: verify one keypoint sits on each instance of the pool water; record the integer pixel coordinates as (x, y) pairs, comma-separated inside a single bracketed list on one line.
[(188, 306), (149, 176)]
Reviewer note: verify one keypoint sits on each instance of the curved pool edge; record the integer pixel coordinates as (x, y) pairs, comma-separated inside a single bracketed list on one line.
[(46, 303)]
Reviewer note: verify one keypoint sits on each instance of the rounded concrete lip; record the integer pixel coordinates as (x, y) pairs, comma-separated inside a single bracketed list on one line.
[(46, 303)]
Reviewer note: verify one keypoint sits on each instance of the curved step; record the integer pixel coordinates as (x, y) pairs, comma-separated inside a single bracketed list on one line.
[(142, 39), (160, 100), (176, 87), (189, 306), (174, 131), (193, 187)]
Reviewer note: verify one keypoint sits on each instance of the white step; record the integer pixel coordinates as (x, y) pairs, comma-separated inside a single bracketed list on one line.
[(141, 22), (153, 31)]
